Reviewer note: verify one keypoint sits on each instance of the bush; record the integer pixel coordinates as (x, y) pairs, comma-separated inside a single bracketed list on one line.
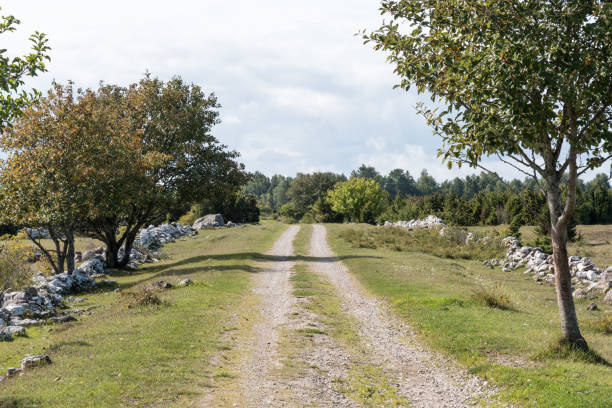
[(492, 297), (15, 270), (450, 245), (308, 219), (145, 296), (192, 215)]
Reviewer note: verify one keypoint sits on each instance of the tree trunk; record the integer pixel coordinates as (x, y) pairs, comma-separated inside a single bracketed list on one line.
[(563, 279), (70, 252), (128, 245), (111, 253)]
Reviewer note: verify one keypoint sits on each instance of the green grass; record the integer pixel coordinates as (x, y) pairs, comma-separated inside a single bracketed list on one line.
[(450, 245), (507, 347), (147, 355)]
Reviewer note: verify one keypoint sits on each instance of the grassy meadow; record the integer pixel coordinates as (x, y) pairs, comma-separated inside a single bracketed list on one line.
[(511, 347), (144, 355)]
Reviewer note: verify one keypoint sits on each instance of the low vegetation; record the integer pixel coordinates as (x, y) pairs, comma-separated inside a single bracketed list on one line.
[(144, 296), (15, 271), (143, 356), (509, 347), (451, 245), (602, 323), (492, 297)]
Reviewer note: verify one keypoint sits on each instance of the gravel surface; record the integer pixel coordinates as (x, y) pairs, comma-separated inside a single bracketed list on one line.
[(424, 378), (262, 382)]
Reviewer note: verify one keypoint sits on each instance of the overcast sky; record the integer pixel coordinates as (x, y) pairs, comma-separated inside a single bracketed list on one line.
[(300, 92)]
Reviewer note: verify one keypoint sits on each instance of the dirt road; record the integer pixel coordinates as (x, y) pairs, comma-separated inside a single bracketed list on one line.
[(424, 379), (278, 368)]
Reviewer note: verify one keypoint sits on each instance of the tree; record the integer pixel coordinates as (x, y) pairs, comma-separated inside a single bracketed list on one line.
[(528, 82), (368, 172), (358, 199), (186, 162), (399, 183), (306, 189), (426, 184), (14, 71), (70, 158)]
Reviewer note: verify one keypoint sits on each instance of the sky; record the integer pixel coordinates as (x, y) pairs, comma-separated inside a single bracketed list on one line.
[(300, 92)]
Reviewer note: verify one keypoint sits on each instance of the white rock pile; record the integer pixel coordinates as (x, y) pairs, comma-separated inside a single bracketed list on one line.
[(588, 279), (154, 237), (27, 363), (38, 303), (431, 221)]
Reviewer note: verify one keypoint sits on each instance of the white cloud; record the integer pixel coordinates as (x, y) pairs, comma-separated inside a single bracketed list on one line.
[(300, 92)]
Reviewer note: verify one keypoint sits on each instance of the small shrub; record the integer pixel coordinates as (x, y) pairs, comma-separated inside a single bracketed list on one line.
[(492, 297), (145, 296), (307, 219), (602, 324), (15, 271), (192, 215), (564, 350)]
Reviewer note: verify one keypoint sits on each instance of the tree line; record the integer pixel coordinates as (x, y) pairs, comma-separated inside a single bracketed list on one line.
[(480, 199)]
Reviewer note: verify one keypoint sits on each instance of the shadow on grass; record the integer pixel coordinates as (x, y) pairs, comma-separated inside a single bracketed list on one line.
[(188, 265), (56, 347), (564, 350), (12, 402)]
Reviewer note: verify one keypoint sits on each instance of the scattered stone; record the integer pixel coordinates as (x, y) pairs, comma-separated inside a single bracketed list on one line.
[(162, 285), (35, 361), (25, 322), (5, 334), (63, 319), (580, 293), (12, 371), (608, 298), (185, 282), (592, 307)]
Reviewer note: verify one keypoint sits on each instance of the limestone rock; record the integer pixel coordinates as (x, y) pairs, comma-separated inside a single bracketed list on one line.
[(592, 307), (63, 319), (35, 361), (430, 221), (87, 255), (209, 221)]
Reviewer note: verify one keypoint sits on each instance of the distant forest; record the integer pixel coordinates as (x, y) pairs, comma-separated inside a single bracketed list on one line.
[(474, 200)]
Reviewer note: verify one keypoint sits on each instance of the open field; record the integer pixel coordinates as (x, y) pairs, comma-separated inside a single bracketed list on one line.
[(435, 296), (143, 356), (203, 345)]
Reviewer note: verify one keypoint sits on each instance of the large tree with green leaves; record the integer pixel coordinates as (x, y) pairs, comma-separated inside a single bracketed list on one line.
[(358, 199), (529, 82), (14, 70), (72, 156), (186, 163)]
